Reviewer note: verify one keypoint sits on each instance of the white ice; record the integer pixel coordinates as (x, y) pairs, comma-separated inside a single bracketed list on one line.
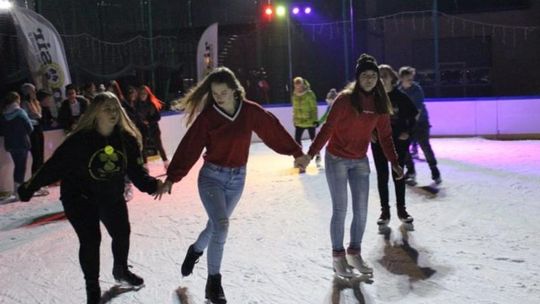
[(477, 242)]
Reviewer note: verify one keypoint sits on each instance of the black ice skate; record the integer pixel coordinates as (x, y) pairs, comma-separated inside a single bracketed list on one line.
[(123, 276), (410, 178), (192, 258), (404, 216), (214, 290), (384, 219)]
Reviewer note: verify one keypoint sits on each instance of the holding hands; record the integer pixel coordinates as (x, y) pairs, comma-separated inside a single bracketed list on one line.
[(162, 187), (398, 171), (302, 161)]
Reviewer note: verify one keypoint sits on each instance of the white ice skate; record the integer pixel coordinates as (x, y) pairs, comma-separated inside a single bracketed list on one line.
[(342, 268), (356, 261)]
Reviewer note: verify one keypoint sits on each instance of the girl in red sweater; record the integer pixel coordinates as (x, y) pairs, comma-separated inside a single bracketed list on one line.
[(223, 128), (360, 109)]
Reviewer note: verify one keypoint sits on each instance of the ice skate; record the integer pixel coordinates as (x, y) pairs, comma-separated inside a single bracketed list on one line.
[(356, 261), (214, 290), (124, 277), (342, 268)]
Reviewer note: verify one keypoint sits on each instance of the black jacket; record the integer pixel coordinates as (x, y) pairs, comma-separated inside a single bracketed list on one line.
[(404, 117), (147, 112), (93, 167), (131, 111), (65, 117)]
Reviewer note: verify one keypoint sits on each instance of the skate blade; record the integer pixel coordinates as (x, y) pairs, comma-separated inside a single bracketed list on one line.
[(407, 226), (354, 280), (207, 301), (126, 285), (366, 273)]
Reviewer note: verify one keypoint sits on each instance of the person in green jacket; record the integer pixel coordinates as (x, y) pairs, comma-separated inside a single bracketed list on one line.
[(330, 97), (304, 104)]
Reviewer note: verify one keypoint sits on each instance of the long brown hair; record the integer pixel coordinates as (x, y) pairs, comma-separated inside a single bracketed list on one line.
[(200, 96), (381, 100), (88, 119)]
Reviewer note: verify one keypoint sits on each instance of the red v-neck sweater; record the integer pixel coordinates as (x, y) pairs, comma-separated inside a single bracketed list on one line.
[(227, 138), (350, 132)]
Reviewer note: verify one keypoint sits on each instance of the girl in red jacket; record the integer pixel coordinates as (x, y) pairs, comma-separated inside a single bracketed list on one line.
[(359, 110), (223, 128)]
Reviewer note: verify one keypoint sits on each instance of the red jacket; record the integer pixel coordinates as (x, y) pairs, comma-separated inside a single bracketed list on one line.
[(350, 132), (227, 138)]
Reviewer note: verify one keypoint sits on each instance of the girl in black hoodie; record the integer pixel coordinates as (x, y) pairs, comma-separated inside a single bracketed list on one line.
[(402, 120), (91, 163)]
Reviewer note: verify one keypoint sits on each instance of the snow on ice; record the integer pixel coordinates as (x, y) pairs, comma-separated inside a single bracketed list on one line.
[(476, 242)]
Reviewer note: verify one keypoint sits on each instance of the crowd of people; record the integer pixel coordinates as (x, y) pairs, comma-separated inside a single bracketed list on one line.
[(26, 114), (108, 132)]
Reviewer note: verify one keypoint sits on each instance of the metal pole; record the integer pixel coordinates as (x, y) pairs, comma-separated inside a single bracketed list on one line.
[(190, 21), (101, 40), (351, 13), (345, 42), (290, 50), (436, 66), (151, 43)]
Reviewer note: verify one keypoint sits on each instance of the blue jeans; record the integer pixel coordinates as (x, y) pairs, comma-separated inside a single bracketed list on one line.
[(19, 157), (355, 172), (220, 189)]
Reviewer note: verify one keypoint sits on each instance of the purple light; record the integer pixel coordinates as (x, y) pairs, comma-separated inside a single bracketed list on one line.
[(295, 10), (307, 10)]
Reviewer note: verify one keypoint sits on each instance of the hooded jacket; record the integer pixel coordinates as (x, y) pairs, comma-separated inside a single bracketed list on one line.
[(304, 109), (16, 127)]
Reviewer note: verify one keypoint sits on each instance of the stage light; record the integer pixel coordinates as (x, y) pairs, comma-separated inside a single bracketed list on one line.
[(295, 10), (268, 11), (5, 5), (280, 11), (307, 10)]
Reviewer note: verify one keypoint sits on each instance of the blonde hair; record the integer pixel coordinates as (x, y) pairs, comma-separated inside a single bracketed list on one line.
[(385, 68), (88, 119), (307, 85), (406, 71), (201, 97)]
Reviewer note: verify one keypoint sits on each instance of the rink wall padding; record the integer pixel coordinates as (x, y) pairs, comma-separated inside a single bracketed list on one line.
[(504, 117)]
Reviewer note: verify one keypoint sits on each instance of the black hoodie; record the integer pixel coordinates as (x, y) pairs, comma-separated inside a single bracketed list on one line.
[(404, 117), (92, 166)]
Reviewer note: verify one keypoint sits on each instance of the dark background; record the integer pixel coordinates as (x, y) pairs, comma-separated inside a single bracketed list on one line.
[(154, 42)]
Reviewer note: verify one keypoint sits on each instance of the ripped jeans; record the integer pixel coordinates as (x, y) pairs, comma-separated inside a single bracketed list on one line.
[(220, 189)]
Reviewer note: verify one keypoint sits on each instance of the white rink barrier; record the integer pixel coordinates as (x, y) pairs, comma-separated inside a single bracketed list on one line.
[(458, 117)]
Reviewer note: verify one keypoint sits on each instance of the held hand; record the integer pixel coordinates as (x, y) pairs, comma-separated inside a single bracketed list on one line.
[(398, 171), (374, 137), (302, 161), (167, 186), (159, 190), (403, 136)]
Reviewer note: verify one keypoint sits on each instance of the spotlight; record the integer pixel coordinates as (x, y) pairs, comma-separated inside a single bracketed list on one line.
[(296, 10), (280, 11), (307, 10), (5, 5), (269, 11)]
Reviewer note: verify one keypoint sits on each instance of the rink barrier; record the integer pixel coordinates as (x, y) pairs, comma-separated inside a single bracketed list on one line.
[(512, 117)]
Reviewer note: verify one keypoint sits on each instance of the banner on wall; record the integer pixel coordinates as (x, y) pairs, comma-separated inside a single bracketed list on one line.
[(207, 51), (44, 51)]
